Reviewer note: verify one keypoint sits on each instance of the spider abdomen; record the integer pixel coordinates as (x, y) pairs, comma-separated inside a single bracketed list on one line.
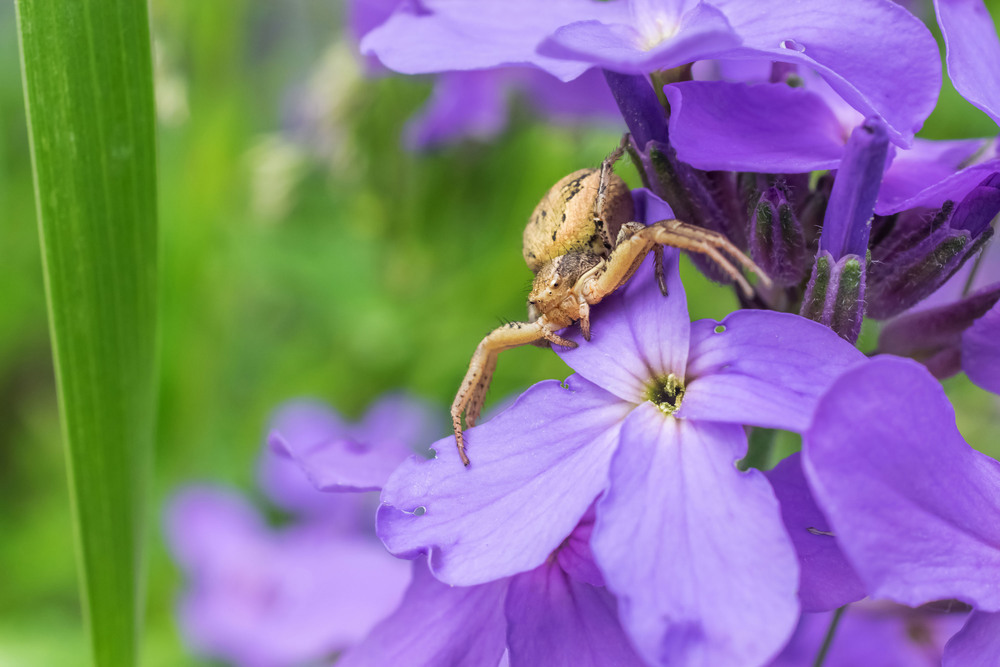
[(566, 220)]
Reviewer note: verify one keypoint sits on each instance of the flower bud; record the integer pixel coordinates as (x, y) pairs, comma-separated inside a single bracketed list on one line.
[(835, 295), (776, 240), (918, 255)]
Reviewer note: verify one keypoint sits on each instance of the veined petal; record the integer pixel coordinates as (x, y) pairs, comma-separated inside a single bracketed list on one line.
[(875, 54), (437, 624), (694, 550), (916, 510), (637, 334), (768, 127), (555, 621), (827, 580), (535, 470), (981, 351), (973, 51), (762, 368)]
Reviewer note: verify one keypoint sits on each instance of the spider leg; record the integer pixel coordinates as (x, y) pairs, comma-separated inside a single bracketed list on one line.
[(629, 253), (697, 239), (607, 167), (661, 279), (472, 391)]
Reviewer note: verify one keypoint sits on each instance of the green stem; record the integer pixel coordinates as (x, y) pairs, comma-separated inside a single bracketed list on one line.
[(828, 639)]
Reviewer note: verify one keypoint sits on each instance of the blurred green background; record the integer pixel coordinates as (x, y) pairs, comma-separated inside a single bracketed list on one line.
[(286, 272)]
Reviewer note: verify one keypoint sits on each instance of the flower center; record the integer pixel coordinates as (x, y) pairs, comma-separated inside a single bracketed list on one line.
[(666, 392), (660, 29)]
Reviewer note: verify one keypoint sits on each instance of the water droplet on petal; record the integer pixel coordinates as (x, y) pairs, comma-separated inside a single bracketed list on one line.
[(792, 45)]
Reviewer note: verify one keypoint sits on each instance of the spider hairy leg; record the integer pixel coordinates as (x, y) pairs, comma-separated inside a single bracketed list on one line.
[(629, 253), (472, 391)]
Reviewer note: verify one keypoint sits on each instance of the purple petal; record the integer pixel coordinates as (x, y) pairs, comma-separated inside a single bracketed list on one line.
[(288, 598), (633, 48), (826, 580), (905, 494), (981, 351), (464, 105), (766, 127), (342, 464), (637, 334), (555, 621), (585, 98), (205, 523), (576, 557), (973, 51), (535, 470), (876, 55), (762, 368), (694, 550), (400, 419), (926, 163), (446, 35), (305, 423), (977, 644), (437, 624), (954, 187)]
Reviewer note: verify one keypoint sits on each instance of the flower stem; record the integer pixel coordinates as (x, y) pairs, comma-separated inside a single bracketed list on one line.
[(828, 639)]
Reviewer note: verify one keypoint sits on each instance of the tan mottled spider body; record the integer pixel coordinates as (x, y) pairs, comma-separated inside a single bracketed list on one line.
[(582, 245)]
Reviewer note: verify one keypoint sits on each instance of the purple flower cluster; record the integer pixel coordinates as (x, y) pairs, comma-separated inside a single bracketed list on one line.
[(633, 513), (260, 596)]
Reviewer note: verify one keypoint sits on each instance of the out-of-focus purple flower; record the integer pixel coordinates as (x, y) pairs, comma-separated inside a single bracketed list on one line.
[(910, 503), (361, 454), (875, 633), (262, 597), (973, 50), (473, 104), (556, 614), (835, 295), (567, 37), (694, 550), (272, 597)]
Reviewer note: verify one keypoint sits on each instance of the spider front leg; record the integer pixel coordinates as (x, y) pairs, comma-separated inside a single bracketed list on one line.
[(472, 391)]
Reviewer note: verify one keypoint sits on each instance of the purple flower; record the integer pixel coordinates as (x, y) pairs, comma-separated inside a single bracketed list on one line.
[(875, 633), (556, 614), (271, 597), (567, 37), (257, 596), (912, 506), (652, 424), (473, 104)]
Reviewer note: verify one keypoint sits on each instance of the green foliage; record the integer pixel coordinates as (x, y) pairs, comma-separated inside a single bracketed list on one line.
[(89, 93)]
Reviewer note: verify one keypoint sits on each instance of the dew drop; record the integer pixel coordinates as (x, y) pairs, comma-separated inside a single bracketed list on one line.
[(720, 328), (792, 45)]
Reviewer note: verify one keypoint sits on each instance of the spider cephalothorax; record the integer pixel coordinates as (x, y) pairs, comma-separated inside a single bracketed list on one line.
[(582, 245)]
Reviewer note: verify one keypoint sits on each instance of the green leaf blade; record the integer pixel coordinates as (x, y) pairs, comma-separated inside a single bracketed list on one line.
[(89, 92)]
